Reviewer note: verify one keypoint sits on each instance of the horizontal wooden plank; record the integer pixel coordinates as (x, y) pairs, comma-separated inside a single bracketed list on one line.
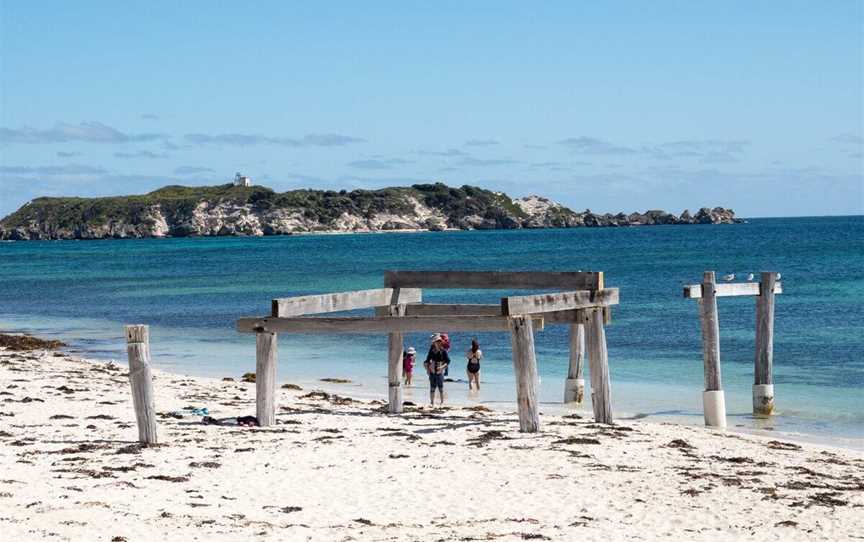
[(575, 316), (446, 309), (433, 309), (375, 324), (569, 280), (732, 289), (558, 301), (342, 301)]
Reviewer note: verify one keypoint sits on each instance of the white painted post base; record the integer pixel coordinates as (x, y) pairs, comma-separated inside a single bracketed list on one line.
[(395, 398), (574, 390), (763, 399), (714, 405)]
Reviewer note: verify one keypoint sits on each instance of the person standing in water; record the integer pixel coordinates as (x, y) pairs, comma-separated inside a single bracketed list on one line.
[(474, 355), (436, 364)]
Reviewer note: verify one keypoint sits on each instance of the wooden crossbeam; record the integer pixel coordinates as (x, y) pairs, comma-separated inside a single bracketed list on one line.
[(575, 316), (343, 301), (694, 291), (376, 324), (569, 280), (446, 309), (558, 301)]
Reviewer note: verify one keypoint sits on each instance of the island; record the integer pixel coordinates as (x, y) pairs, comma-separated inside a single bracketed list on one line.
[(232, 210)]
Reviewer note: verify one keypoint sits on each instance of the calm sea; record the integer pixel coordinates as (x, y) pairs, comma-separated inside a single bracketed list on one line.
[(191, 291)]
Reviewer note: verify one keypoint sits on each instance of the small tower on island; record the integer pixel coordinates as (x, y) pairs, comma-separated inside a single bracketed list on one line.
[(242, 180)]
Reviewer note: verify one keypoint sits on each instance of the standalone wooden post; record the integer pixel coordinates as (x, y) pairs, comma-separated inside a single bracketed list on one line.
[(394, 363), (713, 400), (265, 377), (574, 387), (138, 348), (763, 383), (598, 358), (525, 368)]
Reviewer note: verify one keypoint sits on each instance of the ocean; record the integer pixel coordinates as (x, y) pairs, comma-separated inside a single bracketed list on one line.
[(191, 291)]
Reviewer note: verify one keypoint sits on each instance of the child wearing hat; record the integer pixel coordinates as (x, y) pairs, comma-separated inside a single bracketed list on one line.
[(408, 365)]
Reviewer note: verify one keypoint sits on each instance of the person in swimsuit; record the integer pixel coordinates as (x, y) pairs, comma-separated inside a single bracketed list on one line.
[(408, 366), (436, 364), (474, 355)]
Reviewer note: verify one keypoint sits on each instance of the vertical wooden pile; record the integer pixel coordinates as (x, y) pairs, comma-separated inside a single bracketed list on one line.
[(574, 386), (525, 369), (713, 399), (265, 377), (598, 358), (395, 344), (141, 380), (763, 382)]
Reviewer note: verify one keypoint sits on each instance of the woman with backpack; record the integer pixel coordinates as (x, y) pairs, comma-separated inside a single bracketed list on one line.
[(437, 361)]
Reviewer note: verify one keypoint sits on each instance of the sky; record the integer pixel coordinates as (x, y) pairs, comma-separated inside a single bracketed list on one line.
[(612, 106)]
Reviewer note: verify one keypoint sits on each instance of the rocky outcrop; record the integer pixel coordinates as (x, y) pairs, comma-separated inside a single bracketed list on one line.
[(257, 211)]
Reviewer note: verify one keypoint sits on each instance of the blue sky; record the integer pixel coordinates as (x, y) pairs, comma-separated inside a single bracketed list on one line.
[(609, 106)]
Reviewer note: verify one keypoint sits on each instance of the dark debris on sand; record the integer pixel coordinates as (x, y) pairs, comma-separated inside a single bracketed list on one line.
[(576, 440), (487, 436), (166, 478), (24, 343)]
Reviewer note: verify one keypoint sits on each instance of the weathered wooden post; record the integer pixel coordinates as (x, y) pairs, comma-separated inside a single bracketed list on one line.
[(574, 387), (140, 378), (713, 399), (763, 382), (525, 367), (265, 377), (598, 358), (394, 363)]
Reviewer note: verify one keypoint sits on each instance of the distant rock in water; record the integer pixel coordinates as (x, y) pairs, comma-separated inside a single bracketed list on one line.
[(228, 210)]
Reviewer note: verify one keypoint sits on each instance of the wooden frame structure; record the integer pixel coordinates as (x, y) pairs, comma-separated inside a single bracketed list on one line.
[(582, 302), (713, 400)]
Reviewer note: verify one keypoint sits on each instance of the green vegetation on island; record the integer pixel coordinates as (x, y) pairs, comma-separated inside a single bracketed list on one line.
[(257, 210)]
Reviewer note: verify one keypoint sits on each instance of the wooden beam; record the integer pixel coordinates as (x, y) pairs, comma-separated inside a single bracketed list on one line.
[(710, 333), (343, 301), (433, 309), (501, 280), (694, 291), (713, 398), (558, 301), (395, 345), (374, 324), (446, 309), (598, 360), (525, 367), (763, 371), (574, 386), (141, 380), (265, 378)]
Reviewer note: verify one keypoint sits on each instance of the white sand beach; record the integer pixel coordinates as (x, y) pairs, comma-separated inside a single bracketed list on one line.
[(335, 468)]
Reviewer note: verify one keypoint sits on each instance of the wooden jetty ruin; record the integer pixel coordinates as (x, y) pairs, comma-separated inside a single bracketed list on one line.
[(580, 301), (713, 399)]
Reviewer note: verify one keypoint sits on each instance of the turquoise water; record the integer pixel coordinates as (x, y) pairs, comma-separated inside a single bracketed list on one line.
[(192, 290)]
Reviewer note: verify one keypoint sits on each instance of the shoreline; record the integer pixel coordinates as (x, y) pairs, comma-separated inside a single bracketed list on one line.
[(335, 467), (365, 232), (374, 388)]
